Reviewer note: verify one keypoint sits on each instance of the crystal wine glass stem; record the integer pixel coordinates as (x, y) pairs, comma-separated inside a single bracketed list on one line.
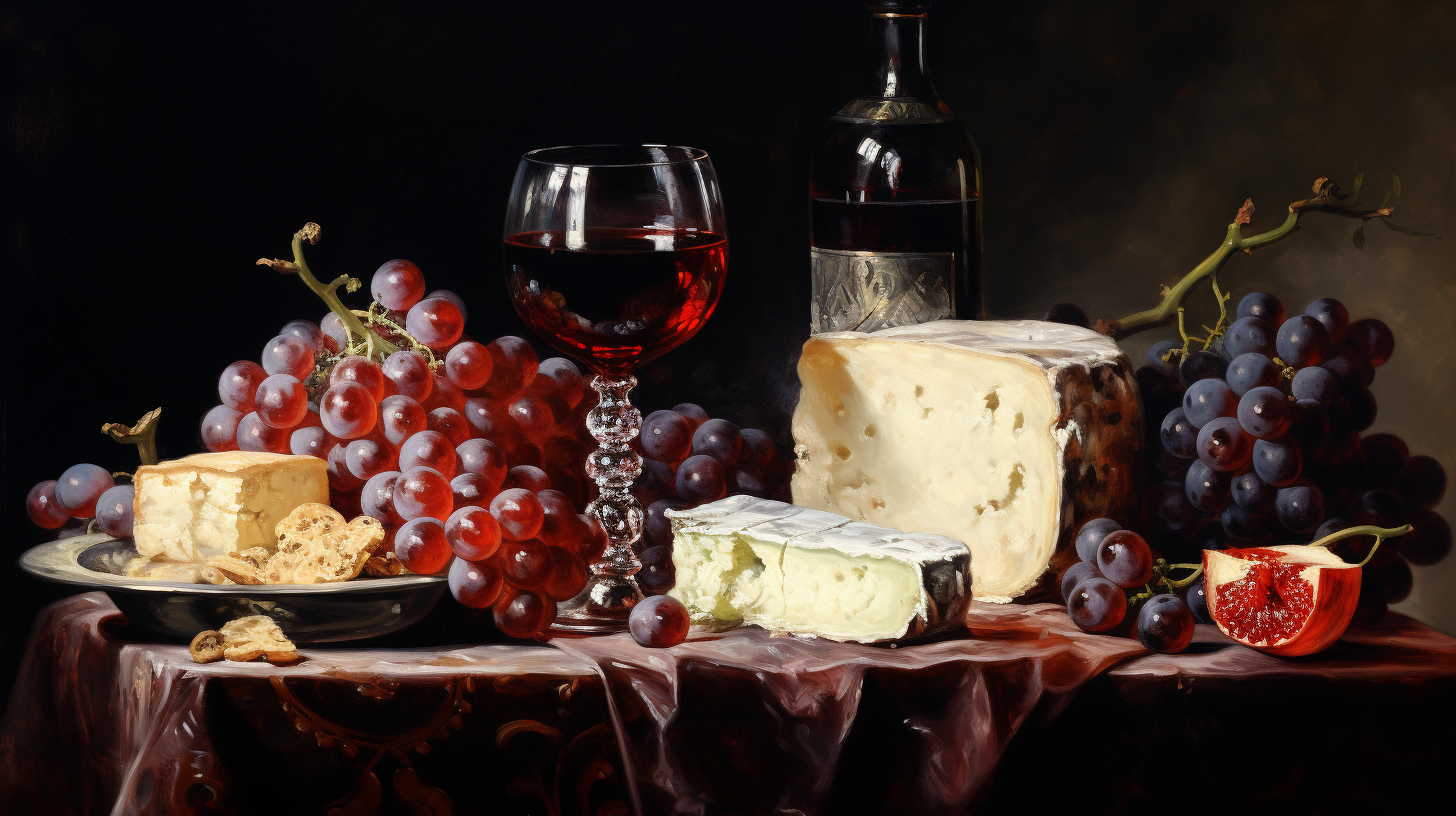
[(614, 466)]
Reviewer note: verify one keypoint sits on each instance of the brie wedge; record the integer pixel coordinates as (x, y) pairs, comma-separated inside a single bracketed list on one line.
[(1000, 434), (208, 504), (791, 569)]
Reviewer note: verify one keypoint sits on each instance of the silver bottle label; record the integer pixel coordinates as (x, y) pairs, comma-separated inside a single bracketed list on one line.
[(865, 291)]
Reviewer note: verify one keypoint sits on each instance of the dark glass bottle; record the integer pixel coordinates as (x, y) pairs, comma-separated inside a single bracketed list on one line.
[(895, 222)]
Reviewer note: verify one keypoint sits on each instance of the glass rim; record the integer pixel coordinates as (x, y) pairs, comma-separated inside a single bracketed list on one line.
[(692, 154)]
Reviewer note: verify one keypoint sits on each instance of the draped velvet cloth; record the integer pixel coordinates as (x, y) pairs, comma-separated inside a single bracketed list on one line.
[(732, 723)]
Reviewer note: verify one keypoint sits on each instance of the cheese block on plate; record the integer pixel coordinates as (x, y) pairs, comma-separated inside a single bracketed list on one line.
[(209, 504), (792, 569), (1000, 434)]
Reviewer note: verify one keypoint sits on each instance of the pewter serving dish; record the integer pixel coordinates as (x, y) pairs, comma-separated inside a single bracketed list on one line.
[(307, 613)]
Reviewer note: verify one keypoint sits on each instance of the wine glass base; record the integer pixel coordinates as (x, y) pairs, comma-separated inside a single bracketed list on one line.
[(580, 620)]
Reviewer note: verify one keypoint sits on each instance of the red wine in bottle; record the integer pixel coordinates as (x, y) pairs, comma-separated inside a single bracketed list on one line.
[(615, 298), (894, 195)]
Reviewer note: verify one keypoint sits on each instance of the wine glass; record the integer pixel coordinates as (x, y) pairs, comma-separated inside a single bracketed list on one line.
[(614, 254)]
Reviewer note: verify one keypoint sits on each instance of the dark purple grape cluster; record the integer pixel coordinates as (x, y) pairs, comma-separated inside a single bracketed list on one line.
[(1260, 441), (1113, 562), (691, 459)]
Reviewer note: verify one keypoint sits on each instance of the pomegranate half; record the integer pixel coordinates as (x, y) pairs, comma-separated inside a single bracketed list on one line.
[(1287, 600)]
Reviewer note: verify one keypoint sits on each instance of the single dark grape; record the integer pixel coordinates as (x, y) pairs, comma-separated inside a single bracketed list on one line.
[(42, 507), (1314, 383), (656, 482), (1242, 526), (421, 545), (1089, 538), (1311, 423), (1125, 559), (758, 451), (1262, 305), (528, 477), (1424, 481), (1371, 339), (1265, 413), (658, 622), (1300, 508), (1395, 580), (701, 479), (526, 564), (1278, 462), (518, 512), (744, 482), (1349, 369), (1355, 409), (1302, 341), (1207, 400), (719, 439), (1252, 493), (1382, 508), (1250, 371), (1179, 436), (1224, 445), (658, 574), (1333, 315), (522, 614), (1385, 459), (1206, 488), (1197, 599), (656, 527), (1165, 624), (1069, 313), (1096, 605), (1158, 356), (693, 412), (1166, 510), (667, 436), (1076, 574), (1249, 335), (1202, 365), (1428, 541)]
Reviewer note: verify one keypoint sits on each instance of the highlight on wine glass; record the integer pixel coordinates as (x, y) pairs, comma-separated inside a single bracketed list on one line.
[(615, 255)]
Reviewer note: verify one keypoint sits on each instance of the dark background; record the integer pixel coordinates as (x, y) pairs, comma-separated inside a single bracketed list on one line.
[(158, 153)]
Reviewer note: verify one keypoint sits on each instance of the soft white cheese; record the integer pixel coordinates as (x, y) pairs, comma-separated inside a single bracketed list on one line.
[(997, 433), (211, 504), (797, 570)]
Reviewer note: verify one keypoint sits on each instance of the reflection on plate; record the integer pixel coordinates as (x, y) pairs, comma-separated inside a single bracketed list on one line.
[(307, 613)]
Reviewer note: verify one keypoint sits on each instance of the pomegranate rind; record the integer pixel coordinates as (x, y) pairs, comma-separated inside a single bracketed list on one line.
[(1336, 590)]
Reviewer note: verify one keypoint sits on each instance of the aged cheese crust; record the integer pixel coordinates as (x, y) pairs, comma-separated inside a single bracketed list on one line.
[(1001, 434), (807, 572), (212, 504)]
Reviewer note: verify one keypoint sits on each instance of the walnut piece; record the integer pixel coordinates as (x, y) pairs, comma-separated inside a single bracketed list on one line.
[(206, 647), (382, 565), (256, 636)]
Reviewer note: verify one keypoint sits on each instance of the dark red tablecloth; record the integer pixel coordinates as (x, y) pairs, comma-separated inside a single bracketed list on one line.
[(1028, 715)]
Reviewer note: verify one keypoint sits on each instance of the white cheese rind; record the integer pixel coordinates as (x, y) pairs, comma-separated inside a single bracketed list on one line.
[(216, 503), (1000, 434), (807, 572)]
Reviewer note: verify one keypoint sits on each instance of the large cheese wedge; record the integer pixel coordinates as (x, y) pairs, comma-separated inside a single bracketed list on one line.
[(1000, 434), (208, 504), (790, 569)]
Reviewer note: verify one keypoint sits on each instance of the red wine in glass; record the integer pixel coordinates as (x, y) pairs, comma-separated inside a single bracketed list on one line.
[(614, 254), (616, 297)]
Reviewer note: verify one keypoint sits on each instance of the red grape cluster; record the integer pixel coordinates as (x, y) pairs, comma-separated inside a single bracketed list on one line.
[(470, 454), (1260, 441), (83, 492), (688, 460)]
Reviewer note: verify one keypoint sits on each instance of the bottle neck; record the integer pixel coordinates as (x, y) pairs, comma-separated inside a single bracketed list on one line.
[(901, 72)]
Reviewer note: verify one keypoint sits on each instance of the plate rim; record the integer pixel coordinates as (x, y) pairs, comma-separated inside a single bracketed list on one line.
[(69, 571)]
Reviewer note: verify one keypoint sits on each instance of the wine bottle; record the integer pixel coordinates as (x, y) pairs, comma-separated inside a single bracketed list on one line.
[(894, 195)]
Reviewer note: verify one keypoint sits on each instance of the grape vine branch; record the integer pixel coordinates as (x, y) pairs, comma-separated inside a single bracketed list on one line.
[(1327, 198)]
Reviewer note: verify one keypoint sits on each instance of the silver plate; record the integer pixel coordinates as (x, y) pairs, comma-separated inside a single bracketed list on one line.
[(307, 613)]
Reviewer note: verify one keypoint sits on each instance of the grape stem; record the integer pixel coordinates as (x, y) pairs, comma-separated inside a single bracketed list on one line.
[(143, 435), (330, 292), (1380, 533), (1327, 198)]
